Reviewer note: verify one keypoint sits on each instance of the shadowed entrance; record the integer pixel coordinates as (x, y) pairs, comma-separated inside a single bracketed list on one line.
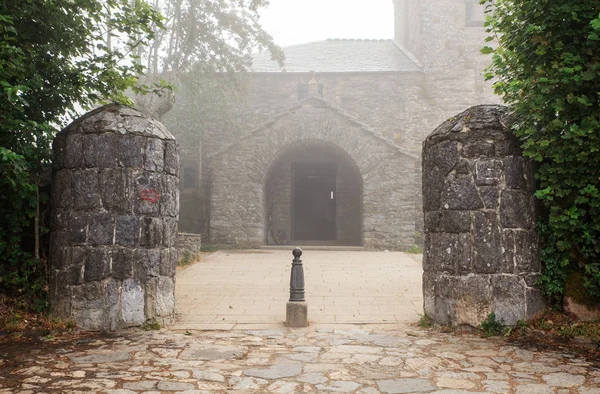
[(314, 201), (313, 193)]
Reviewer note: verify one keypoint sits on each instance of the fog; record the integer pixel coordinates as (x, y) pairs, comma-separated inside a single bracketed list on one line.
[(292, 22)]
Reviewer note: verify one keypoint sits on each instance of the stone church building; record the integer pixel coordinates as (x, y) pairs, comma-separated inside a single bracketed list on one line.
[(327, 149)]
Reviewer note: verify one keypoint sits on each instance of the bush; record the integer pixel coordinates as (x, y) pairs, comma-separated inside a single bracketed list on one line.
[(547, 69)]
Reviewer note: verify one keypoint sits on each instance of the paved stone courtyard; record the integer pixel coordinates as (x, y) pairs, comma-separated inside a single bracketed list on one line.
[(381, 359), (240, 288), (251, 352)]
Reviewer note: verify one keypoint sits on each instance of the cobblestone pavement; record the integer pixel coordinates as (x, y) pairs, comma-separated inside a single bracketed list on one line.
[(236, 287), (313, 360)]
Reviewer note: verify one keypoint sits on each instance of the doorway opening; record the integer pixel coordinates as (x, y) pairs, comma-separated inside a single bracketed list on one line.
[(313, 194), (314, 201)]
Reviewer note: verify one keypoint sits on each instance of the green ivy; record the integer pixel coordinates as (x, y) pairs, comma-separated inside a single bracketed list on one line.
[(546, 65), (56, 58)]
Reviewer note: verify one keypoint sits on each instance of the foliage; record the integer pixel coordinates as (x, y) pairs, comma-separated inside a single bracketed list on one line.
[(492, 327), (188, 258), (56, 58), (547, 68), (151, 325), (425, 321), (414, 249)]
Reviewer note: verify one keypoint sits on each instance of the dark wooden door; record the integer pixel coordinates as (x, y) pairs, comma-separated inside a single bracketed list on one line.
[(314, 201)]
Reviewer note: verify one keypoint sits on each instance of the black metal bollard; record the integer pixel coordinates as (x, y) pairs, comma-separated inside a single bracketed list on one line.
[(297, 278)]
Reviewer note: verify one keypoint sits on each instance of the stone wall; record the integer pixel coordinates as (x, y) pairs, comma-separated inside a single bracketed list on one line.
[(240, 172), (401, 106), (115, 205), (188, 244), (481, 248)]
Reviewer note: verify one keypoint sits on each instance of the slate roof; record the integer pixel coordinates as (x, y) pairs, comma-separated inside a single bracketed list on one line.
[(339, 55)]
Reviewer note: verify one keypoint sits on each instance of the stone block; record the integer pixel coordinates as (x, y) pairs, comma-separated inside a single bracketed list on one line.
[(89, 319), (146, 183), (170, 231), (115, 186), (488, 172), (463, 167), (72, 275), (446, 252), (59, 220), (516, 209), (131, 151), (62, 189), (132, 302), (514, 172), (123, 262), (78, 229), (469, 298), (508, 146), (169, 200), (85, 189), (152, 231), (476, 149), (155, 154), (78, 256), (444, 155), (165, 296), (167, 266), (509, 297), (490, 196), (150, 286), (487, 243), (100, 150), (433, 183), (460, 193), (101, 228), (97, 264), (127, 230), (527, 259), (508, 251), (429, 293), (296, 314), (146, 264), (171, 158), (58, 243), (73, 154), (113, 298), (456, 221)]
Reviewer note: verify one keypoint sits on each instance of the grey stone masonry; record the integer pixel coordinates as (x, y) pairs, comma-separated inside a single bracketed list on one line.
[(115, 206), (481, 248), (190, 243), (238, 209)]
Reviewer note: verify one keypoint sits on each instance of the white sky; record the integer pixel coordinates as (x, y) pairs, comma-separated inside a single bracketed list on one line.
[(292, 22)]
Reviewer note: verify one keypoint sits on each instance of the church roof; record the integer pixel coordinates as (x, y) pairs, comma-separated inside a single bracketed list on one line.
[(339, 55)]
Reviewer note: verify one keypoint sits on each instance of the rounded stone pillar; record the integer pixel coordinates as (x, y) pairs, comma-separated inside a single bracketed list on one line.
[(481, 248), (115, 205)]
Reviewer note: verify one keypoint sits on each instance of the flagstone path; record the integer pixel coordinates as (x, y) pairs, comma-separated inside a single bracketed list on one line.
[(365, 360)]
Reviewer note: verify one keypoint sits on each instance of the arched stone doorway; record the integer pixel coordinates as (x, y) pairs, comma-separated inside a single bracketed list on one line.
[(313, 194)]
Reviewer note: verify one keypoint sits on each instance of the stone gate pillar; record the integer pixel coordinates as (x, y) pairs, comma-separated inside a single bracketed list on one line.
[(115, 205), (481, 248)]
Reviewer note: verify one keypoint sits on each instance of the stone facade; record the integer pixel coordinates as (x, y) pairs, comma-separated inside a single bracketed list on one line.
[(481, 248), (115, 205), (439, 74), (383, 179)]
